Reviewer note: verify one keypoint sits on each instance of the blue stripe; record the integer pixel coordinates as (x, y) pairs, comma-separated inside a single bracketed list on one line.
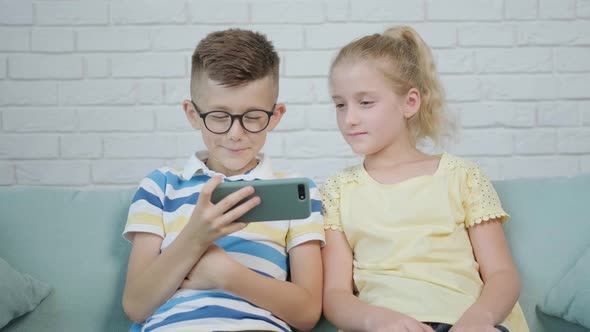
[(178, 183), (178, 300), (237, 244), (316, 205), (212, 311), (159, 178), (171, 205), (135, 327), (148, 197), (262, 273)]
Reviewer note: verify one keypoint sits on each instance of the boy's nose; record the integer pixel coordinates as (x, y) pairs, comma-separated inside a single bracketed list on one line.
[(236, 130)]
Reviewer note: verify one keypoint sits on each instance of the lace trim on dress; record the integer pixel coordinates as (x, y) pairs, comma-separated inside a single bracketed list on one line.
[(491, 216), (333, 227)]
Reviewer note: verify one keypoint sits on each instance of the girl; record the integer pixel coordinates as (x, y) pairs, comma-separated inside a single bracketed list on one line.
[(414, 242)]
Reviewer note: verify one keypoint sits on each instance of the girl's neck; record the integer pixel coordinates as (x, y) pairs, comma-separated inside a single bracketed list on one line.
[(402, 151), (404, 162)]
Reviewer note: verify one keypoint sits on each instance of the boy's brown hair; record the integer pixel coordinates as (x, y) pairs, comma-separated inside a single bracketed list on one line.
[(234, 57)]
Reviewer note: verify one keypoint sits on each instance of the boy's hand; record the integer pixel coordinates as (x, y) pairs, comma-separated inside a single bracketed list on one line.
[(210, 222), (385, 320), (211, 270)]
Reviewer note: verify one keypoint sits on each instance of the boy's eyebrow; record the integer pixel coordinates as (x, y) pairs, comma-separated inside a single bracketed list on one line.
[(357, 94), (229, 110)]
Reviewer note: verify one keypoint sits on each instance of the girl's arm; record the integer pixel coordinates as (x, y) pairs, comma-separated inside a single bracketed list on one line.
[(342, 308), (298, 303), (501, 282)]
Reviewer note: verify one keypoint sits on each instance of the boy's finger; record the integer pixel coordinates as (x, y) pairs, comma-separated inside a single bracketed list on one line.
[(231, 200), (234, 227), (238, 211), (208, 188)]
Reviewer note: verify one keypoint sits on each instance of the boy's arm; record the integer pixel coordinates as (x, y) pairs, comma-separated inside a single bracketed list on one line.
[(298, 302), (153, 277), (501, 282)]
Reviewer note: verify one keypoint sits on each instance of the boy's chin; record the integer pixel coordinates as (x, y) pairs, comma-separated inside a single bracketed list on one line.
[(237, 167)]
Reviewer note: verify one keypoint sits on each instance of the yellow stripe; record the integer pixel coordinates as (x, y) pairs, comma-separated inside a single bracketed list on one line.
[(276, 235), (143, 218), (305, 229), (279, 175), (176, 225)]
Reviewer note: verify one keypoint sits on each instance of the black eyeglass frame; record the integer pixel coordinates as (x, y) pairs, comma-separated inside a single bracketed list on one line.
[(233, 117)]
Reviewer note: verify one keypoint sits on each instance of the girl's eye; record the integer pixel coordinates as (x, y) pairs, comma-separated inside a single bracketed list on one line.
[(366, 103)]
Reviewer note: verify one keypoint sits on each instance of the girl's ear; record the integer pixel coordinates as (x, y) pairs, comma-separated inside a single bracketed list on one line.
[(412, 103), (279, 111), (191, 114)]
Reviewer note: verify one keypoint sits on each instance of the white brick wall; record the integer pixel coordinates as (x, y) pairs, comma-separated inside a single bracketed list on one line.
[(91, 91)]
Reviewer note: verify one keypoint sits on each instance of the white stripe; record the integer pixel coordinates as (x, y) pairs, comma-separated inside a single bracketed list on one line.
[(152, 187), (208, 301), (219, 324), (306, 238), (259, 264), (141, 228), (259, 238), (143, 206), (183, 192), (185, 210)]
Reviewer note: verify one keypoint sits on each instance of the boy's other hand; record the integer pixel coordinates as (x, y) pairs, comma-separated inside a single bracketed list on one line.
[(210, 222), (211, 270)]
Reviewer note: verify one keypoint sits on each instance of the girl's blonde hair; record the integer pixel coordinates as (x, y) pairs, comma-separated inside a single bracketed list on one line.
[(406, 62)]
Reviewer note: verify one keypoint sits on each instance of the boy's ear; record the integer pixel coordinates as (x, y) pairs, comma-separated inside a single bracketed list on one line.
[(412, 103), (191, 114), (279, 111)]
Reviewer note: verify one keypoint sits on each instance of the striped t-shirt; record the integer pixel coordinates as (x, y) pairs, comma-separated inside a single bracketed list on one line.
[(163, 205)]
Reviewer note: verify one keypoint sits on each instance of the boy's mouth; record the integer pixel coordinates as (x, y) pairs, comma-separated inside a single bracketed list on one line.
[(235, 149)]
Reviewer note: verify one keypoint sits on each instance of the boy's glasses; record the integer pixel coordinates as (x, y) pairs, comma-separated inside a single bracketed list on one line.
[(220, 122)]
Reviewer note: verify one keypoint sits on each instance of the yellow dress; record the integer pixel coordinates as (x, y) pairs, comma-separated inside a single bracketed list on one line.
[(410, 243)]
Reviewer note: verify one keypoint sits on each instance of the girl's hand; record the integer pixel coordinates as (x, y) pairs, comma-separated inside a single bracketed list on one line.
[(385, 320), (474, 321), (473, 328), (210, 222), (211, 271)]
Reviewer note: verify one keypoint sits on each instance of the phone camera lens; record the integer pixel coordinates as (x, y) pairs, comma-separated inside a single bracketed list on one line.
[(301, 190)]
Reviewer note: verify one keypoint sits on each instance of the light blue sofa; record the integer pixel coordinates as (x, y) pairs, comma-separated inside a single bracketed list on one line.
[(72, 240)]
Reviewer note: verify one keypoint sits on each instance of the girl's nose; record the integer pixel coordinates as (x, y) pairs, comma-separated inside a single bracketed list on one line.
[(352, 116)]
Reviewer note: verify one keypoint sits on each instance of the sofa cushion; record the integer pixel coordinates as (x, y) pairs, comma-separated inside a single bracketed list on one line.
[(71, 239), (547, 232), (19, 293), (570, 298)]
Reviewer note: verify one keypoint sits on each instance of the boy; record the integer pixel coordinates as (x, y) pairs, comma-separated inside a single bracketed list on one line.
[(192, 267)]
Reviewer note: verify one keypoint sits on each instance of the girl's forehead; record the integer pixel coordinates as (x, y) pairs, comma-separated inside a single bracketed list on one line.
[(362, 72)]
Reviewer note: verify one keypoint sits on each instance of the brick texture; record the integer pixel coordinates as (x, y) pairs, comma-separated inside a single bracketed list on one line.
[(91, 91)]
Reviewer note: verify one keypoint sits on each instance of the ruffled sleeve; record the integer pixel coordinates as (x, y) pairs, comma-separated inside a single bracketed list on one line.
[(330, 191), (482, 202)]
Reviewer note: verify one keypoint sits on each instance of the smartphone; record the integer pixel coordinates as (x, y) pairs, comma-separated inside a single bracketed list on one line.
[(281, 199)]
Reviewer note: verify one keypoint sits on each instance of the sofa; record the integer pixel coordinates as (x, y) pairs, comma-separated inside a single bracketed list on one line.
[(70, 240)]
